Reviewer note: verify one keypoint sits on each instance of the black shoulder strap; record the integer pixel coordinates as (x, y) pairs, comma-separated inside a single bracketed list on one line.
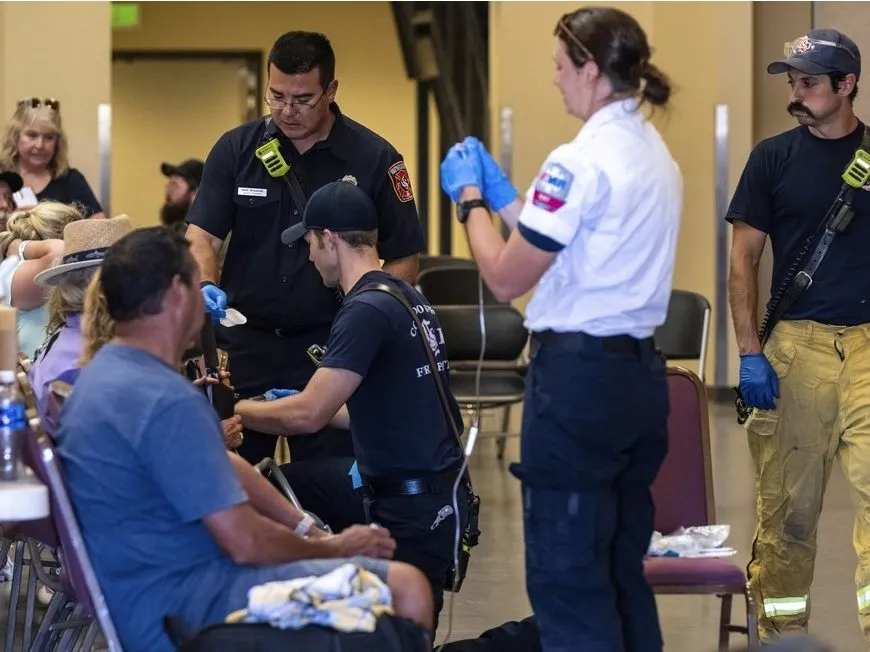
[(837, 220), (433, 365), (296, 192)]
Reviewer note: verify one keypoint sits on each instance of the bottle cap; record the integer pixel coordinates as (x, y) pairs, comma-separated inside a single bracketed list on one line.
[(6, 376)]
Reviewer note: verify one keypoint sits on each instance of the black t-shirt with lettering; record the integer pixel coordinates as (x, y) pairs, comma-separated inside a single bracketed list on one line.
[(786, 189), (399, 428)]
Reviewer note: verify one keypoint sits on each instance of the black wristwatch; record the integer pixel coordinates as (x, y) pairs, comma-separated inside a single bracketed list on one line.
[(464, 208)]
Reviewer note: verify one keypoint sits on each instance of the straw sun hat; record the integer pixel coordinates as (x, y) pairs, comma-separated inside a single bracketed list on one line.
[(84, 244)]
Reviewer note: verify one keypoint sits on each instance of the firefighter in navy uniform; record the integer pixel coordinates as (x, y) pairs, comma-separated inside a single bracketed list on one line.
[(408, 451), (274, 286)]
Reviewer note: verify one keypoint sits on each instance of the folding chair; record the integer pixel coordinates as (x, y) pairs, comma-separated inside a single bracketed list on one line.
[(683, 497), (454, 286), (502, 376), (686, 331), (428, 262), (77, 574)]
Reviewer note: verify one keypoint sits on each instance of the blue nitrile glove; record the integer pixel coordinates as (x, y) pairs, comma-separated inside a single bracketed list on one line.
[(215, 300), (498, 191), (459, 169), (758, 382), (273, 394), (355, 476)]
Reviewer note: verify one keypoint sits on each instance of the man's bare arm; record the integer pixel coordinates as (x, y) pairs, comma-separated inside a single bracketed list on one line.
[(204, 247), (404, 268), (746, 248)]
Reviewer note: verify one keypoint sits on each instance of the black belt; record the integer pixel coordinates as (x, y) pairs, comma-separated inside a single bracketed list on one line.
[(391, 487), (577, 341)]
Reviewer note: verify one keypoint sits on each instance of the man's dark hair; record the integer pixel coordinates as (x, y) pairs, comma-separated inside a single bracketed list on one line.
[(296, 53), (838, 78), (139, 268), (354, 239)]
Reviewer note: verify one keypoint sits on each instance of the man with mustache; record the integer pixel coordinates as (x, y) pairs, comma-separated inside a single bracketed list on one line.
[(808, 385)]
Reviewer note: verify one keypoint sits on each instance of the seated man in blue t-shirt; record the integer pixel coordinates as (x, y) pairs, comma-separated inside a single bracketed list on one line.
[(174, 524), (407, 453)]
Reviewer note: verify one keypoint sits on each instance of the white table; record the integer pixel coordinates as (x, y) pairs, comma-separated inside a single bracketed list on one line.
[(24, 499)]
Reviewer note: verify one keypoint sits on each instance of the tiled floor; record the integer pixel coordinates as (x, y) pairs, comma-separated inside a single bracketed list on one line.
[(495, 591)]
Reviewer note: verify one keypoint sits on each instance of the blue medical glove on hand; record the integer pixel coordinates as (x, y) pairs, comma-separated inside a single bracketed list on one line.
[(498, 191), (273, 394), (758, 382), (459, 169), (215, 301)]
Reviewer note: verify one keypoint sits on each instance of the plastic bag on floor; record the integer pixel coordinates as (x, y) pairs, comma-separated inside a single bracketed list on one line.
[(696, 541)]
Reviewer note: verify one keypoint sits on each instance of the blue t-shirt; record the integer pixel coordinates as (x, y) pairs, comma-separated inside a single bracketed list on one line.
[(398, 426), (144, 457), (786, 189)]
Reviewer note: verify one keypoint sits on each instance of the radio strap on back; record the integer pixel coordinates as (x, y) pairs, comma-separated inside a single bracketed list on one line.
[(471, 534), (800, 276)]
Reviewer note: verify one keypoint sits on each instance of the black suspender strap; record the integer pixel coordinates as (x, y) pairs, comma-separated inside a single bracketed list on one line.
[(433, 364)]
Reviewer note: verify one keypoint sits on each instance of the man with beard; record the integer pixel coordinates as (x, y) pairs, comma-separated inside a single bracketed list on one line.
[(182, 183), (808, 385)]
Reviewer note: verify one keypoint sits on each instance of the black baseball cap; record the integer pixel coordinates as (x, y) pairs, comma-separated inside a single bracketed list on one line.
[(13, 180), (820, 52), (337, 206), (190, 170)]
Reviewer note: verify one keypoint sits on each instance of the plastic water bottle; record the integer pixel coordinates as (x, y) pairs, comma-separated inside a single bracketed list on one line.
[(12, 426)]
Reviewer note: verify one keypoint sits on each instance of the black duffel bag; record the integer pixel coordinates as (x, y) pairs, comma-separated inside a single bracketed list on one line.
[(392, 634)]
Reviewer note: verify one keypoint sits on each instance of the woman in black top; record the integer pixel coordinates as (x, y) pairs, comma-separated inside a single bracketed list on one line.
[(36, 147)]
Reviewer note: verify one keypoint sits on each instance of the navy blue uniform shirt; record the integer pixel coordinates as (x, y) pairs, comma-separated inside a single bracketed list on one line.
[(273, 285), (399, 428), (786, 189)]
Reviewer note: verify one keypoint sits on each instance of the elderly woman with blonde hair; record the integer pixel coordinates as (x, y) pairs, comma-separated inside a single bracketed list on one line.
[(36, 147), (29, 245)]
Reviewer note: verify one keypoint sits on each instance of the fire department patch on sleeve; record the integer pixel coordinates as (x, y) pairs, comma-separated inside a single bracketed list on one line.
[(552, 187), (401, 181)]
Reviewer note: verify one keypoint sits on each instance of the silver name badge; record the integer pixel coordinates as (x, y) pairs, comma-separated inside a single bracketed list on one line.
[(252, 192)]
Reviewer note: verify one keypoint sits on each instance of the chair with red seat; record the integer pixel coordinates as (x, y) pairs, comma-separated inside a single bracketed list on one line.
[(683, 497)]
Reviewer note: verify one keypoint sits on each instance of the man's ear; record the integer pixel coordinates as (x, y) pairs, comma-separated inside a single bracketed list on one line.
[(847, 85)]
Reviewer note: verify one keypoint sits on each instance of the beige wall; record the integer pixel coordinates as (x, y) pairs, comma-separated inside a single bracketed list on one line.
[(176, 91), (706, 69), (61, 50), (853, 19), (373, 87)]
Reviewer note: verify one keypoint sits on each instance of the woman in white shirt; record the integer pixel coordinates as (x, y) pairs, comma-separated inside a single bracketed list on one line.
[(597, 233)]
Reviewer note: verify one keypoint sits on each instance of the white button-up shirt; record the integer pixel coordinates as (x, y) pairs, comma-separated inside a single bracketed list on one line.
[(609, 202)]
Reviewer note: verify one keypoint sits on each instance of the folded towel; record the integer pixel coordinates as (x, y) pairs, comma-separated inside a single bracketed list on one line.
[(347, 599)]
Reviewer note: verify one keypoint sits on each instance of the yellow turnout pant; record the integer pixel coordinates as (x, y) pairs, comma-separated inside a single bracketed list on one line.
[(823, 413)]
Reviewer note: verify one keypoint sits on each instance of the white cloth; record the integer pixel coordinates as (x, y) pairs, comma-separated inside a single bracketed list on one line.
[(609, 202), (348, 599)]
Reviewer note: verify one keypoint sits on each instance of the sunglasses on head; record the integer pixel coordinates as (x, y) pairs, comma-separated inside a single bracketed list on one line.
[(36, 102)]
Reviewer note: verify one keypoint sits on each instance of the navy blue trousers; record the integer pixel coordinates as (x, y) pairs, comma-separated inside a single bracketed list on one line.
[(594, 436)]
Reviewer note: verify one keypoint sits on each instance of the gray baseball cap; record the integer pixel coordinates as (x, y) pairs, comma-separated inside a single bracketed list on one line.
[(820, 52)]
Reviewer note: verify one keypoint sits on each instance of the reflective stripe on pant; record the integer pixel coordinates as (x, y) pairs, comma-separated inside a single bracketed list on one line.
[(594, 437), (823, 413)]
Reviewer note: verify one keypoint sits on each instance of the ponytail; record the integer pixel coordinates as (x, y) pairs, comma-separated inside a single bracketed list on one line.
[(98, 328), (657, 87)]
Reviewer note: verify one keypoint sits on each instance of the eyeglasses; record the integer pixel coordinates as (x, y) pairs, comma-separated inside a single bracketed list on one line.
[(563, 25), (277, 103), (35, 103), (805, 44)]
